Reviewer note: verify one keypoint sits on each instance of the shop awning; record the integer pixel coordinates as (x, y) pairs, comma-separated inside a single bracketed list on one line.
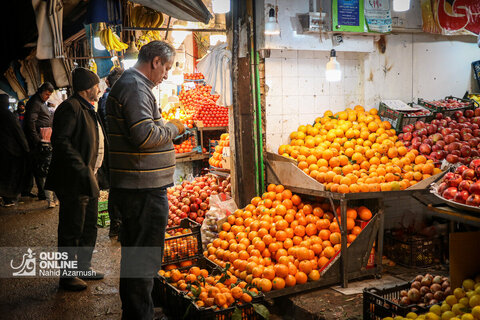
[(188, 10)]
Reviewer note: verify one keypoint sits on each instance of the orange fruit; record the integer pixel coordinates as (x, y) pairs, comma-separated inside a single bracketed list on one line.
[(314, 275), (278, 283), (290, 281), (301, 277)]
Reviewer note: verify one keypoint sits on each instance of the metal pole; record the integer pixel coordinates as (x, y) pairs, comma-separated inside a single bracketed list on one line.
[(343, 230), (379, 253)]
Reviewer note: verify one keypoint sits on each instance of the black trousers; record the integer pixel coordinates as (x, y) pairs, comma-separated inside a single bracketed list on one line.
[(77, 228), (144, 216)]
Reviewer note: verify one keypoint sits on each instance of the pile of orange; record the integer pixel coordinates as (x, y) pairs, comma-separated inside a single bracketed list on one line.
[(278, 241), (218, 291), (354, 151), (216, 158)]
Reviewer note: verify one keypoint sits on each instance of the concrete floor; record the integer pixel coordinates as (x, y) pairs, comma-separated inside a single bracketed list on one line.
[(32, 224)]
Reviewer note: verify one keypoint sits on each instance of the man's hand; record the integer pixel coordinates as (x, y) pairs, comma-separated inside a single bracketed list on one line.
[(180, 126), (183, 137)]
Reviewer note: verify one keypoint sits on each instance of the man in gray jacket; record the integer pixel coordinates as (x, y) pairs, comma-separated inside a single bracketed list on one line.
[(142, 163)]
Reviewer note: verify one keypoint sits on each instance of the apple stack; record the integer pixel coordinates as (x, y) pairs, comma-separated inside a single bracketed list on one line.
[(462, 185), (455, 138)]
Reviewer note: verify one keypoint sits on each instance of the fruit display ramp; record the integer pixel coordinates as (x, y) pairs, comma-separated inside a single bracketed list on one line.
[(284, 171), (464, 207), (437, 207), (349, 263)]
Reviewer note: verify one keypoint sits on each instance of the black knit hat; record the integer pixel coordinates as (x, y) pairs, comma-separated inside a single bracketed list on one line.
[(83, 79)]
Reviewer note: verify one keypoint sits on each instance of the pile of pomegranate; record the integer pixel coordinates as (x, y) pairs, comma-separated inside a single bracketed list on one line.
[(191, 198)]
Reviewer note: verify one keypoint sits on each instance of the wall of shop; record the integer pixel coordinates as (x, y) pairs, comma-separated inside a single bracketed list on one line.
[(412, 66)]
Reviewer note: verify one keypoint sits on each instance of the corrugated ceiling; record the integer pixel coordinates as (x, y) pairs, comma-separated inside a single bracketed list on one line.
[(189, 10)]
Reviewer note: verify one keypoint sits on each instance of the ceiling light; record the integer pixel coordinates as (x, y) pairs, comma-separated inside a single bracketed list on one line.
[(220, 6), (401, 5), (333, 71), (271, 26)]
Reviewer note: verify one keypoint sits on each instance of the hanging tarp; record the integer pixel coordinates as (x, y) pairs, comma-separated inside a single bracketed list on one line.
[(188, 10), (49, 17), (451, 17), (109, 11)]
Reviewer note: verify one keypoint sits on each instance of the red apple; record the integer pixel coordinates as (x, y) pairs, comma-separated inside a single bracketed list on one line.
[(465, 185), (452, 158), (473, 200), (475, 188), (442, 187), (455, 180), (461, 196), (460, 169), (450, 193), (468, 174)]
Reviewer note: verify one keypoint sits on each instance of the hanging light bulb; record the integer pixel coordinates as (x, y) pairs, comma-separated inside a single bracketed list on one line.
[(98, 44), (131, 56), (271, 26), (401, 5), (220, 6), (333, 71)]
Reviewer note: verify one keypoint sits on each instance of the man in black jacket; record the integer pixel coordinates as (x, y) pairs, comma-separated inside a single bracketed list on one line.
[(38, 116), (78, 150), (13, 154)]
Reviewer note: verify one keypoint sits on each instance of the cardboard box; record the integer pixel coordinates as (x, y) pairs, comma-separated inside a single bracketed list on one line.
[(464, 257), (226, 159)]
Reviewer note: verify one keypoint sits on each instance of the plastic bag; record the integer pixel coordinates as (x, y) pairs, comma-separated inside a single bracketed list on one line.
[(221, 206)]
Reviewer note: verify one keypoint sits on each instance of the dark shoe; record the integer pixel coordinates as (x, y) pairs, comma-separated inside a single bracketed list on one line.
[(90, 274), (73, 284)]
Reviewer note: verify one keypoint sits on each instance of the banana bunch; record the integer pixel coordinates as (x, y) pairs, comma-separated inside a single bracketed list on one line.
[(143, 17), (111, 41), (147, 37)]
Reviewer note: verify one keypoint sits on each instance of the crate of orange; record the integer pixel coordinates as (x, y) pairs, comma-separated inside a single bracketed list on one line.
[(205, 291), (284, 245), (354, 151), (183, 243)]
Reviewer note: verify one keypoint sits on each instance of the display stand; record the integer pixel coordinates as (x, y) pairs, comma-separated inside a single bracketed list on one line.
[(281, 170), (439, 209)]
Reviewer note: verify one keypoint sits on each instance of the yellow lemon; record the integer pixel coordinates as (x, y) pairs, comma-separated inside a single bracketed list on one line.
[(451, 300), (447, 315), (459, 293), (468, 284), (411, 315), (446, 307), (474, 301), (436, 309), (476, 312), (467, 316), (463, 301), (456, 308)]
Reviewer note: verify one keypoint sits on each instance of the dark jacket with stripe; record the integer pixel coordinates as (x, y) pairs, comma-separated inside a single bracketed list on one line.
[(37, 116), (75, 149), (141, 151)]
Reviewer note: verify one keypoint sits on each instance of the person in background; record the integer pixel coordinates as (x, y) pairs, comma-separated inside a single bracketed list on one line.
[(112, 77), (51, 108), (13, 154), (20, 112), (142, 163), (115, 219), (38, 116), (78, 149)]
